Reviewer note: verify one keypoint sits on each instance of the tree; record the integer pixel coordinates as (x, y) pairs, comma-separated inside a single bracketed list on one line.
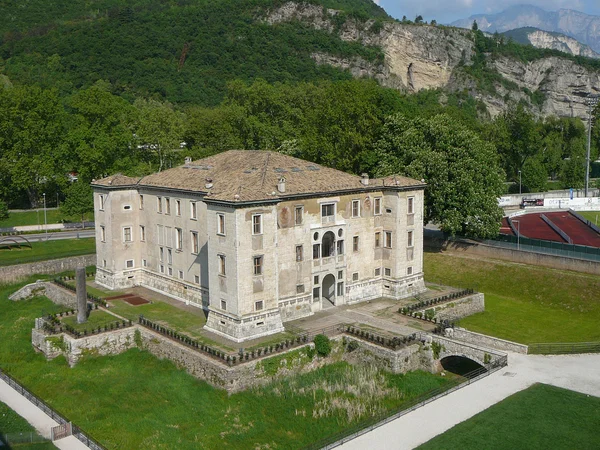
[(475, 27), (3, 210), (79, 201), (433, 22), (419, 19), (462, 172)]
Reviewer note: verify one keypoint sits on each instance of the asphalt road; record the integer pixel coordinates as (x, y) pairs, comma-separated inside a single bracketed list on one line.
[(39, 237)]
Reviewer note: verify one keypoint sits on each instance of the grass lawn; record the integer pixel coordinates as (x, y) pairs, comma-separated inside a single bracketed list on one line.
[(41, 251), (34, 218), (540, 417), (524, 303), (11, 422), (592, 216), (96, 319), (135, 400)]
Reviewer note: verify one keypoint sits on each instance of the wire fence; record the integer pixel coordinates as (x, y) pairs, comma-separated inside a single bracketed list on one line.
[(28, 437), (53, 414), (372, 423), (563, 348)]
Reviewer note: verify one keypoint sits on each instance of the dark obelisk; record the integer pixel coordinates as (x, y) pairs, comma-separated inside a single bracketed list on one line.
[(81, 295)]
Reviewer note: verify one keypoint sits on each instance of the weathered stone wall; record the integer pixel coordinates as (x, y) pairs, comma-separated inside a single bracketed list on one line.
[(13, 274), (55, 293), (487, 341), (479, 354), (457, 309)]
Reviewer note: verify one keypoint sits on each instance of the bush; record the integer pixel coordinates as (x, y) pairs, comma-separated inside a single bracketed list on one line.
[(322, 345), (352, 345), (3, 210)]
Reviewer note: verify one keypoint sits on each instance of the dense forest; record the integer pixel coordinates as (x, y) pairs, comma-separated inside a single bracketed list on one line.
[(107, 86)]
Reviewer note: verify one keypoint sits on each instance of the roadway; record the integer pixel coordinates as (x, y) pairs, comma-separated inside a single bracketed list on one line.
[(40, 237)]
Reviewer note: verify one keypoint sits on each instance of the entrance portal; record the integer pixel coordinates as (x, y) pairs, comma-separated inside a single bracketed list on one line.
[(328, 286)]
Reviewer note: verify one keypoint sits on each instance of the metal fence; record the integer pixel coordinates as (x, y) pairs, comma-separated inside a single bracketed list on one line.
[(563, 348), (372, 423), (29, 437), (57, 417)]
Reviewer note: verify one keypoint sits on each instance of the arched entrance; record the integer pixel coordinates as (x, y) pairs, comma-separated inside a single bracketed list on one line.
[(463, 366), (328, 245), (328, 287)]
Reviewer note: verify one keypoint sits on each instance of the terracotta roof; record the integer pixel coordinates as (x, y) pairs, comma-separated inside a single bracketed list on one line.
[(253, 175)]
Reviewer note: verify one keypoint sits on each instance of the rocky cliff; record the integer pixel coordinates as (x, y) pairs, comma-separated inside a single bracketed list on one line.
[(544, 39), (428, 57)]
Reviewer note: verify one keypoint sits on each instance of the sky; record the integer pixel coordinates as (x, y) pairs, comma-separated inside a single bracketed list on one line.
[(446, 11)]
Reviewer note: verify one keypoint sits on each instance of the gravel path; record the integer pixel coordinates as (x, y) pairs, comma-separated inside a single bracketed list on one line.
[(575, 372), (36, 417)]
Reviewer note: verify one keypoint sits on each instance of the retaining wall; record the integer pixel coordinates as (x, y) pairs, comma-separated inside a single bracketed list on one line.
[(486, 341), (459, 308), (55, 293), (13, 274)]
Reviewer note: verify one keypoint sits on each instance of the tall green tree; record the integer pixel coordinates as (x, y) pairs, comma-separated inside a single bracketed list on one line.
[(462, 171), (79, 201)]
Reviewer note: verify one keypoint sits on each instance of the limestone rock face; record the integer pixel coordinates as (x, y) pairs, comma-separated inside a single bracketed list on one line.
[(543, 39)]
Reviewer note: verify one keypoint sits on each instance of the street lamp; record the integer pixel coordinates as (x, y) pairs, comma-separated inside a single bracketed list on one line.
[(518, 233), (45, 217), (591, 102), (519, 182)]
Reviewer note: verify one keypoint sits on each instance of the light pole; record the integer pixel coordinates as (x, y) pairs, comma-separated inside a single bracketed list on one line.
[(45, 217), (518, 234), (519, 182), (591, 102)]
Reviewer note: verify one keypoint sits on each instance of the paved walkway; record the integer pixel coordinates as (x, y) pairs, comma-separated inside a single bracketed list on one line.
[(36, 417), (575, 372)]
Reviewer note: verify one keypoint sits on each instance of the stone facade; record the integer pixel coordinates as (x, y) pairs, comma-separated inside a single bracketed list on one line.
[(271, 258), (18, 272)]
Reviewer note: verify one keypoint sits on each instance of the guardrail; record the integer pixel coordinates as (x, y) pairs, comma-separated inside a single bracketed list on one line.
[(372, 423), (563, 348), (53, 414)]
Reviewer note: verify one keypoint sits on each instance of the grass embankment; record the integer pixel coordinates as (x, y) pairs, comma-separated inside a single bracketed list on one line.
[(42, 251), (36, 217), (540, 417), (11, 423), (523, 303), (134, 400), (592, 216)]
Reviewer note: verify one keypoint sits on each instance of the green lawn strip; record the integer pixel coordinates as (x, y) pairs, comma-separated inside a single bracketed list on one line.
[(527, 323), (100, 293), (592, 216), (96, 319), (547, 305), (11, 423), (134, 400), (540, 417), (36, 217), (41, 251)]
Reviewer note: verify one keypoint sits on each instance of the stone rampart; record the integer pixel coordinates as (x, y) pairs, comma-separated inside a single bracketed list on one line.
[(18, 272), (55, 293), (486, 341), (459, 308)]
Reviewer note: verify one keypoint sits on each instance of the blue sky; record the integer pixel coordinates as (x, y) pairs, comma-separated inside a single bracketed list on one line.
[(445, 11)]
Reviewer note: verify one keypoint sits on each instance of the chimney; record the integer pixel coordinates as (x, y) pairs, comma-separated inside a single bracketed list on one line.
[(365, 179), (281, 185), (188, 160), (209, 183)]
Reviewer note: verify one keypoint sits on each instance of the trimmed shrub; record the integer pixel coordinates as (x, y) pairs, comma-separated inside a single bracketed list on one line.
[(322, 345)]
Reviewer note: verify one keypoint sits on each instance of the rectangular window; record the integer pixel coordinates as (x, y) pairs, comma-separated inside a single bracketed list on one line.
[(167, 205), (378, 239), (103, 263), (259, 305), (223, 305), (141, 202), (355, 208), (181, 274), (410, 239), (101, 197), (162, 269), (298, 213), (129, 263), (388, 272), (159, 205), (258, 265), (316, 279), (340, 247), (328, 212), (169, 256), (195, 244), (178, 207), (340, 274), (221, 264), (127, 234), (168, 237), (193, 211), (299, 253), (221, 224), (257, 224), (316, 251), (409, 270), (299, 289), (197, 279), (160, 234), (355, 276), (388, 239), (411, 205), (316, 293), (102, 233), (340, 289), (142, 233), (377, 206), (378, 271), (170, 271), (178, 238), (161, 254), (355, 244), (144, 263)]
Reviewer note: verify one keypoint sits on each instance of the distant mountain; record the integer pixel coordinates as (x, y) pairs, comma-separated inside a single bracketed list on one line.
[(583, 27), (551, 40)]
